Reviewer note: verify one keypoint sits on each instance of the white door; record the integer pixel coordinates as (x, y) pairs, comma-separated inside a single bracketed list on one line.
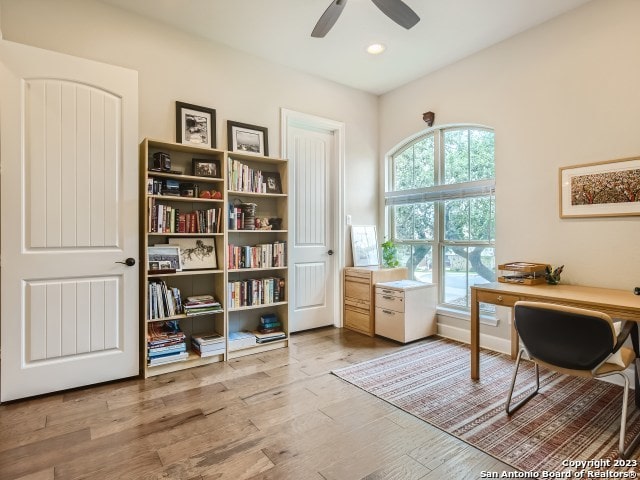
[(314, 189), (69, 170)]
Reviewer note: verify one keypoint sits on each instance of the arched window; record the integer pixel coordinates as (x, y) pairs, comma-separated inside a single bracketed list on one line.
[(440, 208)]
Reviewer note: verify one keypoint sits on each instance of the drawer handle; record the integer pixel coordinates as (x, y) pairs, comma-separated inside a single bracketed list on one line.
[(387, 291), (387, 297), (499, 298), (388, 312)]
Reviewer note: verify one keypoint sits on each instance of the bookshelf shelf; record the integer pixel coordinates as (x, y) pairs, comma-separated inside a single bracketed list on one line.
[(270, 195)]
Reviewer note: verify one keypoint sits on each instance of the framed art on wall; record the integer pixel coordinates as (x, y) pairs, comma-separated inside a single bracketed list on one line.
[(364, 245), (245, 138), (195, 125), (602, 189)]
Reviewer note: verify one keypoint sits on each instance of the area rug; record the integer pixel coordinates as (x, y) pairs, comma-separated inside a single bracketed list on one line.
[(571, 419)]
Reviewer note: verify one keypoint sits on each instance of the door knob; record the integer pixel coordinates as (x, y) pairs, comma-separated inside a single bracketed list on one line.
[(129, 262), (330, 252)]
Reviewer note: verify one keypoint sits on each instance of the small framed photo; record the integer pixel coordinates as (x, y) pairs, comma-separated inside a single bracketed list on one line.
[(196, 253), (272, 182), (195, 125), (164, 257), (206, 168), (364, 244), (245, 138), (602, 189)]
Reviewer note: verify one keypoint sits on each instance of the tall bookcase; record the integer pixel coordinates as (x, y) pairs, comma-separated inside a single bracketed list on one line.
[(249, 263), (257, 258)]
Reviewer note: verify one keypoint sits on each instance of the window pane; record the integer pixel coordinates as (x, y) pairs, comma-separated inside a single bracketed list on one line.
[(481, 218), (465, 267), (455, 276), (414, 167), (456, 220), (456, 156), (418, 260), (414, 222), (482, 154)]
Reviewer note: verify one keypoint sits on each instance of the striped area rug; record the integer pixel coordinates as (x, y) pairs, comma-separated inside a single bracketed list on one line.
[(570, 419)]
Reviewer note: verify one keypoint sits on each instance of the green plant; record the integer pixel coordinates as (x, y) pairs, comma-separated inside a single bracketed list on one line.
[(389, 254), (553, 275)]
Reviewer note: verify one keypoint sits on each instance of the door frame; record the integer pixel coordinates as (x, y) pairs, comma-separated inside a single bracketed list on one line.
[(291, 118)]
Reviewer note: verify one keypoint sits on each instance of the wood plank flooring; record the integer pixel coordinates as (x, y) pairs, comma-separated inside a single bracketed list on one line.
[(277, 415)]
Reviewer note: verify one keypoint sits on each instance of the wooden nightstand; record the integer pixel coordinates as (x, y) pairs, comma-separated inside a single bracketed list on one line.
[(359, 295)]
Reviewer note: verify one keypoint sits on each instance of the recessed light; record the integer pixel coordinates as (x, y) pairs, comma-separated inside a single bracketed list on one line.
[(376, 48)]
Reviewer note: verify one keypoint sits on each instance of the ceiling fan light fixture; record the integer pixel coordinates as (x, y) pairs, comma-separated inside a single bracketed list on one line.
[(376, 48)]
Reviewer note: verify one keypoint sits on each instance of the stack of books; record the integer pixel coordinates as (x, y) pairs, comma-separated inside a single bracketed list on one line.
[(166, 343), (201, 305), (269, 330), (208, 344), (240, 340)]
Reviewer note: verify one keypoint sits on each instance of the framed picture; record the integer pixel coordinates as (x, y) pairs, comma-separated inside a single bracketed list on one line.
[(602, 189), (164, 257), (206, 168), (272, 182), (196, 253), (195, 125), (364, 245), (245, 138)]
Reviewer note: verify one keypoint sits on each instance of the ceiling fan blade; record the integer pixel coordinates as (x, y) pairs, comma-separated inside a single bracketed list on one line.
[(398, 11), (328, 18)]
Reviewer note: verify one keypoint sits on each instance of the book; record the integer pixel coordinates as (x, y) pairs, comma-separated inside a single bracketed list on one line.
[(207, 338), (168, 359)]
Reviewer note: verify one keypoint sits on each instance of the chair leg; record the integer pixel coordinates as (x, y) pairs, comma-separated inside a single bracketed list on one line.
[(625, 452), (510, 409)]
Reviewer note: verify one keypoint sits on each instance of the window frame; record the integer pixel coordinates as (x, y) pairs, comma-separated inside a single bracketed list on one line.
[(440, 192)]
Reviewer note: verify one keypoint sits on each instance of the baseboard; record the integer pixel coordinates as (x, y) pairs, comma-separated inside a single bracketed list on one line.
[(463, 335), (502, 345)]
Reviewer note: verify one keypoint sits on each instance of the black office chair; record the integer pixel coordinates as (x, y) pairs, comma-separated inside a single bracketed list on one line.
[(573, 341)]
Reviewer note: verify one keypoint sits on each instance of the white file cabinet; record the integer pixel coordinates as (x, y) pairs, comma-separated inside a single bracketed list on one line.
[(405, 310)]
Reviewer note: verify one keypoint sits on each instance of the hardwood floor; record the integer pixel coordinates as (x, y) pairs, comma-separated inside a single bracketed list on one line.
[(278, 415)]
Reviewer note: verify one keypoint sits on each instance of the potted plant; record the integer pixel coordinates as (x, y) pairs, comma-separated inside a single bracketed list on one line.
[(389, 254)]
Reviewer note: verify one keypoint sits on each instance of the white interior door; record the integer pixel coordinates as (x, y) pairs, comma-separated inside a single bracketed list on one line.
[(69, 170), (314, 190)]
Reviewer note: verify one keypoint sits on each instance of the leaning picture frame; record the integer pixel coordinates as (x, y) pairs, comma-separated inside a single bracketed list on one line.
[(601, 189), (245, 138), (272, 183), (195, 125), (160, 257), (364, 245), (196, 253), (205, 168)]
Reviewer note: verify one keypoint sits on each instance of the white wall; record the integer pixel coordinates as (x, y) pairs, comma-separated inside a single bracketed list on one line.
[(173, 65), (564, 93)]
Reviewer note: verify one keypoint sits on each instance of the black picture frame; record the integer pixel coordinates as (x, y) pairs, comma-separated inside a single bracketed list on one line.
[(204, 167), (195, 125), (272, 182), (246, 138)]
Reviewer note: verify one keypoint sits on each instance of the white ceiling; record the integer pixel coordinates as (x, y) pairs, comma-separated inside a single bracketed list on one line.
[(279, 31)]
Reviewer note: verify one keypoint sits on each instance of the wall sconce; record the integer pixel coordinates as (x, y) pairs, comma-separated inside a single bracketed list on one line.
[(429, 117)]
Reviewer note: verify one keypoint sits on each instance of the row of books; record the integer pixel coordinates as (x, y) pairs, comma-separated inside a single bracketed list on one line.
[(243, 178), (164, 301), (165, 343), (266, 255), (257, 291), (168, 219)]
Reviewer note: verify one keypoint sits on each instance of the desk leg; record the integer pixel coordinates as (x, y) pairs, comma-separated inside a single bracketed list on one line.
[(515, 339), (475, 336), (636, 348)]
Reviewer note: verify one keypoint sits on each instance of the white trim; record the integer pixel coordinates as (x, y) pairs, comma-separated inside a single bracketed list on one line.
[(491, 320), (297, 119), (463, 335)]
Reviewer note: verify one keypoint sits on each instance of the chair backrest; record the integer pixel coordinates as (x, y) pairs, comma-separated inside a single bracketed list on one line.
[(567, 337)]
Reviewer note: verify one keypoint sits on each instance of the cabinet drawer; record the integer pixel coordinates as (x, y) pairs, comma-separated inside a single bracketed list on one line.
[(390, 324), (363, 274), (356, 289), (389, 292), (498, 298), (357, 303), (357, 320), (390, 302)]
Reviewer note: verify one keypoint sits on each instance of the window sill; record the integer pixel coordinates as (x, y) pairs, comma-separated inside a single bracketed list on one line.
[(463, 315)]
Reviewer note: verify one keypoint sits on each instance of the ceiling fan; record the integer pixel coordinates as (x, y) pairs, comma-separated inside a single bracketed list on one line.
[(396, 10)]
